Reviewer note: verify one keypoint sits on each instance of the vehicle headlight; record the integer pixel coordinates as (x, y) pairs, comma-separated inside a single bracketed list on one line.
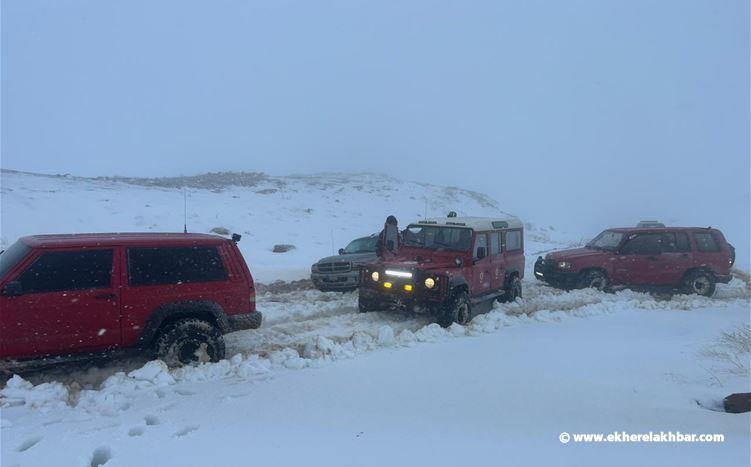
[(564, 265), (430, 282), (375, 276)]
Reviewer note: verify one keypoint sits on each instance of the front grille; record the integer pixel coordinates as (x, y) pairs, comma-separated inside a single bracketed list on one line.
[(547, 268), (339, 266)]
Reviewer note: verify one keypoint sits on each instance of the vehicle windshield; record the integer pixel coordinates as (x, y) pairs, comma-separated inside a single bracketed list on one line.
[(608, 240), (10, 257), (362, 245), (438, 237)]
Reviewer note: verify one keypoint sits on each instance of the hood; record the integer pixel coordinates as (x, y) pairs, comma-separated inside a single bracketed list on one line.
[(356, 258), (409, 264), (574, 253)]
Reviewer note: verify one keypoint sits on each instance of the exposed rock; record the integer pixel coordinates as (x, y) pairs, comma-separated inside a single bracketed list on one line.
[(220, 231), (283, 248)]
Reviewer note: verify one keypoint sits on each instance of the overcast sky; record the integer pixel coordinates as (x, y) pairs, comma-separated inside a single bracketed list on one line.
[(598, 112)]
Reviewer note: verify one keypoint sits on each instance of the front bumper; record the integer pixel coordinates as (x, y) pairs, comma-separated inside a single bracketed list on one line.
[(245, 321), (336, 281), (398, 298), (724, 279), (546, 271)]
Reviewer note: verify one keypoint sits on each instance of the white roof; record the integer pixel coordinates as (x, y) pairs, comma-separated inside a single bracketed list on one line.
[(476, 223)]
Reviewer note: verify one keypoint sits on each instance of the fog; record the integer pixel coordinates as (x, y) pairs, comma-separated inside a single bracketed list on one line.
[(579, 114)]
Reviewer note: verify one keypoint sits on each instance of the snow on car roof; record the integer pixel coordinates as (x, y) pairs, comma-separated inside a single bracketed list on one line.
[(476, 223)]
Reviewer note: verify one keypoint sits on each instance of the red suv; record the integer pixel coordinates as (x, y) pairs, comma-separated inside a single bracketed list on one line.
[(451, 268), (692, 260), (74, 295)]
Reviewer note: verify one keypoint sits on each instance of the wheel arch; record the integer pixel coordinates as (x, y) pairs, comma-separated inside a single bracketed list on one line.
[(458, 283), (601, 269), (172, 312), (704, 269)]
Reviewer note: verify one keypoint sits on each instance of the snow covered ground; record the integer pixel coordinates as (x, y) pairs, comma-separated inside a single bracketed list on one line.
[(321, 384), (374, 389)]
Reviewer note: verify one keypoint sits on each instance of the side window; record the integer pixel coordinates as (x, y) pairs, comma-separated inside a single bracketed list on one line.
[(481, 241), (495, 243), (513, 240), (706, 242), (159, 266), (57, 271), (675, 242), (642, 244)]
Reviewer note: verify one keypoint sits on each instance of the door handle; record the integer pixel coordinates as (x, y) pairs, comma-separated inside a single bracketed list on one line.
[(105, 296)]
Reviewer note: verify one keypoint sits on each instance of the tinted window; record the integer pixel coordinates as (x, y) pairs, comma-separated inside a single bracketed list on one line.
[(642, 244), (675, 242), (513, 240), (495, 243), (362, 245), (705, 241), (12, 256), (152, 266), (57, 271), (481, 241)]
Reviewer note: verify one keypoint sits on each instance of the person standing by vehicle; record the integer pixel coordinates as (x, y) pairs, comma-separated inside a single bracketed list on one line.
[(389, 238)]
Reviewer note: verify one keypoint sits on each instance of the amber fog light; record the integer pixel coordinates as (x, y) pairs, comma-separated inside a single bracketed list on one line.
[(408, 287), (387, 285)]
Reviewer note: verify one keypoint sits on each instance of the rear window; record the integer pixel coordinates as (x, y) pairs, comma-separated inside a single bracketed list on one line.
[(495, 243), (513, 240), (178, 265), (675, 242), (12, 256), (57, 271), (706, 241)]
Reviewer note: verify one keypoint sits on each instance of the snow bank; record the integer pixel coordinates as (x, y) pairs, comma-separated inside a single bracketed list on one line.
[(18, 392), (544, 305)]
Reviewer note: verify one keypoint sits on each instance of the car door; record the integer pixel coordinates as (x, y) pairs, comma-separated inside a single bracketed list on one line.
[(676, 257), (482, 265), (67, 303), (513, 251), (497, 263), (638, 259)]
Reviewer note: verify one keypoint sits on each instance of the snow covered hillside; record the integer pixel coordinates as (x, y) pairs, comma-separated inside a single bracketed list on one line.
[(317, 213)]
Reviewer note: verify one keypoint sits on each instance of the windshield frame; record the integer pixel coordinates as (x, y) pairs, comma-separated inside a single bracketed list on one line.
[(591, 244), (442, 247)]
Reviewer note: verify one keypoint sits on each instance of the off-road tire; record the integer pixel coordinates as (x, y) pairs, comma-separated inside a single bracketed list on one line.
[(513, 291), (700, 283), (188, 341), (456, 310), (594, 279)]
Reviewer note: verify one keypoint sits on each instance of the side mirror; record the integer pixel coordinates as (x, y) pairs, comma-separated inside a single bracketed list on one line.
[(481, 252), (13, 289), (341, 251)]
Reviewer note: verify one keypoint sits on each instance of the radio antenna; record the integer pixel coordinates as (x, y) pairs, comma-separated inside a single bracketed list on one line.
[(185, 210)]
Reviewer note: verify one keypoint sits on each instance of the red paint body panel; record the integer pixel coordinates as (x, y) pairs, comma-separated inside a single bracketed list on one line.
[(81, 321)]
